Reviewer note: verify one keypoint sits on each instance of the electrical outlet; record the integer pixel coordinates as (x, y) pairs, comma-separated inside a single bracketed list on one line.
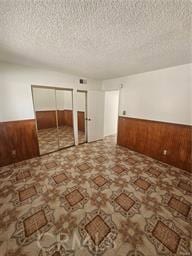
[(164, 152), (13, 152), (124, 112)]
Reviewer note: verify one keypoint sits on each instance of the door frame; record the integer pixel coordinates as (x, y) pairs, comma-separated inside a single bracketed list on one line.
[(119, 97), (86, 135)]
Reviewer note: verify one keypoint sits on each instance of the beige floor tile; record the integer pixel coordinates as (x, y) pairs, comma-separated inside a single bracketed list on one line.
[(118, 214)]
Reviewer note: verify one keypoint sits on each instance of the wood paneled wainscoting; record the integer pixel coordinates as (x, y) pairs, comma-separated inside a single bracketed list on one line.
[(18, 141), (81, 121), (68, 117), (47, 119), (152, 138)]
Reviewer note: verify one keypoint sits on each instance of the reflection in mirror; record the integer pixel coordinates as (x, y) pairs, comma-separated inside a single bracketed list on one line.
[(82, 114), (64, 99), (45, 111)]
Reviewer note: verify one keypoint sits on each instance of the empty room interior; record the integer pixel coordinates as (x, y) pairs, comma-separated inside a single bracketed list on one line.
[(95, 127)]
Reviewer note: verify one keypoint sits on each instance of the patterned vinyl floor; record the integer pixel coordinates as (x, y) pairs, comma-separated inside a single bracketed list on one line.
[(95, 199), (52, 139)]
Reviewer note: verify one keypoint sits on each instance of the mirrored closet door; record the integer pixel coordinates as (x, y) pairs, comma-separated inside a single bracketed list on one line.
[(64, 100), (46, 119), (54, 118), (82, 116)]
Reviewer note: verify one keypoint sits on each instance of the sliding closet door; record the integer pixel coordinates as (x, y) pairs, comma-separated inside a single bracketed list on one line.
[(46, 119), (64, 101)]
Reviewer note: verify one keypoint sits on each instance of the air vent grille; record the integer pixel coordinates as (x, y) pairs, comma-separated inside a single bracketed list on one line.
[(82, 81)]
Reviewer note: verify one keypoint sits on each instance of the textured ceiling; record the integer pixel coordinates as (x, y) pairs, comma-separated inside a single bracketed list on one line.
[(96, 38)]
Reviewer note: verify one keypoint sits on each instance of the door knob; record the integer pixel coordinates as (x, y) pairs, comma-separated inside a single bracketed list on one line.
[(88, 119)]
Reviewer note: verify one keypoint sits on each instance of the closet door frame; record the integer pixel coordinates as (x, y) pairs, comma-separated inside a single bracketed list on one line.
[(85, 118), (53, 88)]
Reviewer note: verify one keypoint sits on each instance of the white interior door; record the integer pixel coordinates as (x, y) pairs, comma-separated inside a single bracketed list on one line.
[(95, 115)]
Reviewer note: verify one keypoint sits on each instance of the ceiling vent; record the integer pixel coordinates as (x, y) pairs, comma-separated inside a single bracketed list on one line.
[(82, 81)]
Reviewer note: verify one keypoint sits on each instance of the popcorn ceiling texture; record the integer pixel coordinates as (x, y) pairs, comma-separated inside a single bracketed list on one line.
[(98, 39)]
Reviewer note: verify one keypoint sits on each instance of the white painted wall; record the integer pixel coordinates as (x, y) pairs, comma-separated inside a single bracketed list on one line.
[(67, 101), (44, 99), (111, 112), (161, 95), (81, 101), (51, 99), (15, 88)]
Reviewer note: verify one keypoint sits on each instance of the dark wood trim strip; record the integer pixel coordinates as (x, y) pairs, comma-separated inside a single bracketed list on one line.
[(17, 121), (51, 87), (154, 121)]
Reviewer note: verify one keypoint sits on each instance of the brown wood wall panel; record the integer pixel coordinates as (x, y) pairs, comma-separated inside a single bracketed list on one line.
[(81, 121), (152, 137), (61, 117), (20, 136), (68, 117), (46, 119)]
